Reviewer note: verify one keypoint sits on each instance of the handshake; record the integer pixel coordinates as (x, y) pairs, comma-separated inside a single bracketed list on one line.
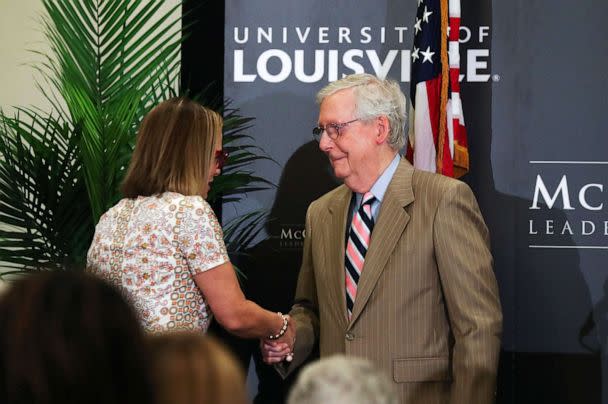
[(279, 347)]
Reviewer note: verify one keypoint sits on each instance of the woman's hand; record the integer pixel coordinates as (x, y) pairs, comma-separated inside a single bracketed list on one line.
[(276, 351)]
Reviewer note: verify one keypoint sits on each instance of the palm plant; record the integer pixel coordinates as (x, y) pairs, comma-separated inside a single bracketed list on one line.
[(236, 180), (111, 61)]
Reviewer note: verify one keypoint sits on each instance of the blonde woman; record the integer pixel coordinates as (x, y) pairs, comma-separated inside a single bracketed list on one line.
[(162, 244)]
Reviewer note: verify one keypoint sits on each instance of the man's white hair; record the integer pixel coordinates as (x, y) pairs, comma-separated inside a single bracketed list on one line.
[(342, 380), (374, 97)]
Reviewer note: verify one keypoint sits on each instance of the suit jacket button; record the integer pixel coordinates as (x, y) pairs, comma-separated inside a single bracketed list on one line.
[(350, 336)]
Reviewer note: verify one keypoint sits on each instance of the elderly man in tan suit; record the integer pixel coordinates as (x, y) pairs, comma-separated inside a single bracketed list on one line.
[(396, 265)]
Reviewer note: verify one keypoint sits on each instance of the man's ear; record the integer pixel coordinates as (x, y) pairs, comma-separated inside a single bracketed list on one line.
[(384, 128)]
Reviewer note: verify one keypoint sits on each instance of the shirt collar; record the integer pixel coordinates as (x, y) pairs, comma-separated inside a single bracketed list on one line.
[(381, 185)]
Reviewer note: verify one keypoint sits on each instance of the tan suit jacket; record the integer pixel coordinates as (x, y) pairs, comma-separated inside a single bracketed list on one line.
[(427, 310)]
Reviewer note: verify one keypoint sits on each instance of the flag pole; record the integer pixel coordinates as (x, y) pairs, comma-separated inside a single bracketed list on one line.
[(445, 79)]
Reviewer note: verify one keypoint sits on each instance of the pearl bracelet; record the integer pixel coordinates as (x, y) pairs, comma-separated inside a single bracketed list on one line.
[(283, 328)]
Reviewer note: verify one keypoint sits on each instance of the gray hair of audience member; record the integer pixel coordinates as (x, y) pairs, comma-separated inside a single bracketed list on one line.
[(342, 380), (374, 97)]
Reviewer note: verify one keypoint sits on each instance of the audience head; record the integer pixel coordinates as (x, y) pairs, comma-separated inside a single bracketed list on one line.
[(175, 151), (342, 380), (194, 368), (70, 338)]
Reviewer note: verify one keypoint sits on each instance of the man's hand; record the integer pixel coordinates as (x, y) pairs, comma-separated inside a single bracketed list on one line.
[(276, 351)]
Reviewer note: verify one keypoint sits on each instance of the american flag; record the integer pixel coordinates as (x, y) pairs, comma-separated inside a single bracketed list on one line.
[(437, 135)]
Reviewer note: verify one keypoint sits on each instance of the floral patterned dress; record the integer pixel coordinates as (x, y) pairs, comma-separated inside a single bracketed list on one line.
[(151, 248)]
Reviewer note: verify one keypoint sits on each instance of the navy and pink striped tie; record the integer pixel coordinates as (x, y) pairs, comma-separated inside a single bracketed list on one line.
[(356, 247)]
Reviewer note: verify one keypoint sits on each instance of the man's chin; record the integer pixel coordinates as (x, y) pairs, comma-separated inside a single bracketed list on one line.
[(339, 174), (338, 168)]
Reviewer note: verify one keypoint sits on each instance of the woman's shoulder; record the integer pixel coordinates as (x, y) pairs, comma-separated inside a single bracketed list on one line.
[(117, 208), (170, 202), (194, 208), (184, 200)]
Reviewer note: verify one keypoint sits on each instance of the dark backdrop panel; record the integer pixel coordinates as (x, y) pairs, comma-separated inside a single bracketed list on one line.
[(551, 256), (532, 111)]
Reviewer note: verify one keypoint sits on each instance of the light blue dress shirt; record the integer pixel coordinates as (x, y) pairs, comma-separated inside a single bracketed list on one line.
[(378, 189)]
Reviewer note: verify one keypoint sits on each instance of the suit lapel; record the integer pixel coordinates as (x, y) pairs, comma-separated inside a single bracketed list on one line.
[(391, 223), (338, 211)]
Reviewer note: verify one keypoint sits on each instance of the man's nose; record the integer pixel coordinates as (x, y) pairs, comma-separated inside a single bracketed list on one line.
[(325, 142)]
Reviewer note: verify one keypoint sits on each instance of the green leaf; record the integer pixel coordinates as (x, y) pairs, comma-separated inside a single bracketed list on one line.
[(109, 63)]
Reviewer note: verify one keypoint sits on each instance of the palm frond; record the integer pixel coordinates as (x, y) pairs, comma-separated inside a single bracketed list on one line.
[(236, 179), (45, 221), (241, 233), (110, 63)]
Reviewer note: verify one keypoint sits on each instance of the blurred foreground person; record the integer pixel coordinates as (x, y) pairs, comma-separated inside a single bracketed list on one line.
[(70, 338), (190, 368), (162, 244), (342, 380)]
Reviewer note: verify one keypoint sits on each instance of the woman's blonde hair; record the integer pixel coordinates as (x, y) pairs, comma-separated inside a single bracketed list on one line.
[(191, 368), (175, 147)]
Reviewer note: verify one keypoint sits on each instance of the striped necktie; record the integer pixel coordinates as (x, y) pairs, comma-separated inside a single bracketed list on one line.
[(356, 247)]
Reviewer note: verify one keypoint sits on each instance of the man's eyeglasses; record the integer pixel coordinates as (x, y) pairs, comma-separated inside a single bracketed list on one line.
[(332, 130), (221, 156)]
